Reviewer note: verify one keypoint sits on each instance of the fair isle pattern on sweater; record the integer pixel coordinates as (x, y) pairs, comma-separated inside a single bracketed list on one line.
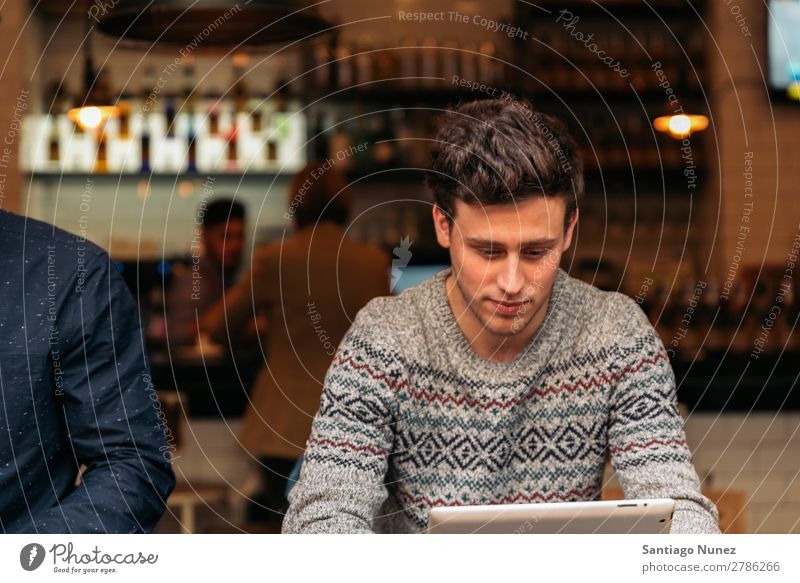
[(412, 418)]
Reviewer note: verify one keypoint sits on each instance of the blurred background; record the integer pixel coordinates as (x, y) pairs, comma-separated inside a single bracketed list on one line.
[(123, 120)]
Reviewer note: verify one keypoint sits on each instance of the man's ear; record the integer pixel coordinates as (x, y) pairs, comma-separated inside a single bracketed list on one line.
[(442, 226), (570, 230)]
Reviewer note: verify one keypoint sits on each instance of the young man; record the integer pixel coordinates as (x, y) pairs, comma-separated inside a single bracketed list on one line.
[(501, 380)]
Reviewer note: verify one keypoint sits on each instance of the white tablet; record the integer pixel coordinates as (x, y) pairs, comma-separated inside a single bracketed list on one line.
[(601, 517)]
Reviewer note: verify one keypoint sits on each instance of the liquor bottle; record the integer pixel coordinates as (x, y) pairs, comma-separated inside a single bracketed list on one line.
[(239, 87), (758, 316), (272, 150), (710, 316), (341, 141), (238, 134), (360, 131), (191, 154), (252, 120), (618, 45), (101, 160), (429, 63), (404, 135), (145, 150), (148, 103), (344, 66), (50, 156), (213, 120), (188, 110), (232, 157), (213, 137), (169, 114), (146, 92), (364, 62), (54, 143), (468, 65), (791, 311), (322, 122), (636, 150), (189, 84), (124, 120), (323, 54), (385, 65), (256, 117), (409, 68), (450, 61), (383, 145), (657, 45), (740, 322), (487, 64)]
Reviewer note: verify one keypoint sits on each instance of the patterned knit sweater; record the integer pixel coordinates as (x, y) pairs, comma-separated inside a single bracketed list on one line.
[(411, 417)]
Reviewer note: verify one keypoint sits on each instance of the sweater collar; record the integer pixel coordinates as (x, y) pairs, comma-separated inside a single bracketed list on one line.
[(538, 350)]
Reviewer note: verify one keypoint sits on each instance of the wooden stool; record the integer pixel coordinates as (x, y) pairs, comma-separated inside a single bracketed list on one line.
[(186, 498)]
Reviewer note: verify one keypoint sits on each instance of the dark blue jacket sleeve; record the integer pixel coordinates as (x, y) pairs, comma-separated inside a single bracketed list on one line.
[(111, 413)]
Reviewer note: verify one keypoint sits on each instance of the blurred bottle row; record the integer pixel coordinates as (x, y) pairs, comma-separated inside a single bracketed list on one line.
[(709, 317), (205, 135), (586, 54), (414, 64), (361, 140), (218, 135), (612, 139)]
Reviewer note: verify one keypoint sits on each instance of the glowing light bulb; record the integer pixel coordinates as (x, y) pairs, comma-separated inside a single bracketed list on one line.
[(90, 117), (680, 125)]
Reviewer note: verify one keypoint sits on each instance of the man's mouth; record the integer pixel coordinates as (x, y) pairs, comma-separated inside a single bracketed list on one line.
[(509, 308)]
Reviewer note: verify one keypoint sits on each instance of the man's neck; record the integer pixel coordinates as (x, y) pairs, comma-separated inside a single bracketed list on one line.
[(487, 345)]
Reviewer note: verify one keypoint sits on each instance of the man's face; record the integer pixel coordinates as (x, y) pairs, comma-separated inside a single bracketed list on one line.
[(505, 258), (225, 246)]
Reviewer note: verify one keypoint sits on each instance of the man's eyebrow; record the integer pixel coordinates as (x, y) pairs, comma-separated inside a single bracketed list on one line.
[(489, 243)]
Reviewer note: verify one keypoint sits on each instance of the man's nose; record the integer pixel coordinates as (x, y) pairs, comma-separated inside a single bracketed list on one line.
[(511, 280)]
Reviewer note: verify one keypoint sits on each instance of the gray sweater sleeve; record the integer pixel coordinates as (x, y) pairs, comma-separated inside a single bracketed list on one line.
[(341, 487), (646, 437)]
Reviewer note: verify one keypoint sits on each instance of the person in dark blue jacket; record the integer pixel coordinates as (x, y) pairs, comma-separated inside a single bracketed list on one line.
[(75, 391)]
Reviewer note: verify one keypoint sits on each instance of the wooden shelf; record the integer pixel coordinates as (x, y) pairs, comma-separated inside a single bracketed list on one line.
[(157, 175), (626, 8)]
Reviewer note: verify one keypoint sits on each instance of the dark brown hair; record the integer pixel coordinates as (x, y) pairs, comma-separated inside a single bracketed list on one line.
[(223, 210), (500, 151)]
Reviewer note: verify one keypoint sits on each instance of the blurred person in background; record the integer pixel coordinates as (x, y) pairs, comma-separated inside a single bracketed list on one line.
[(200, 286), (310, 285)]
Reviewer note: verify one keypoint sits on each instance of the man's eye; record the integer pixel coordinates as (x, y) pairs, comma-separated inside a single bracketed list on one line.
[(489, 252), (534, 253)]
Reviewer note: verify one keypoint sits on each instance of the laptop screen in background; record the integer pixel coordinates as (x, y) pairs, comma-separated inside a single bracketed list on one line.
[(412, 275)]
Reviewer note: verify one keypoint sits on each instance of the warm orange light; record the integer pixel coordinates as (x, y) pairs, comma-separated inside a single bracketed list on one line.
[(680, 126), (241, 59), (92, 117)]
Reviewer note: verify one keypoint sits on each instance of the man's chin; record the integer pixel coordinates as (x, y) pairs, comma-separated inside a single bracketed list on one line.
[(505, 326)]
